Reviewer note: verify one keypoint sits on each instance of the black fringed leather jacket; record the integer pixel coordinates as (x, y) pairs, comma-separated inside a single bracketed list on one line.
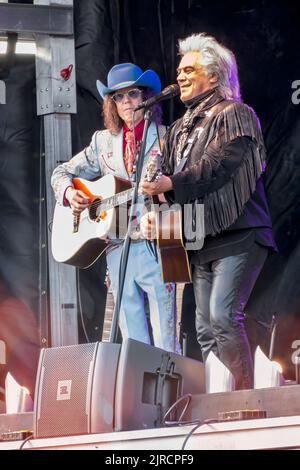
[(223, 171)]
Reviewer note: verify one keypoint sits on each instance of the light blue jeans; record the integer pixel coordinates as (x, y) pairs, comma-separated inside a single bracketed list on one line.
[(143, 275), (222, 288)]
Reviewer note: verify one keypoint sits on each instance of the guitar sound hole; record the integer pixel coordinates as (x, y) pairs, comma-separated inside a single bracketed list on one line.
[(94, 209)]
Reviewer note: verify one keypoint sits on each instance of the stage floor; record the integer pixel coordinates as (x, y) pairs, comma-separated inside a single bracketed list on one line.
[(266, 433)]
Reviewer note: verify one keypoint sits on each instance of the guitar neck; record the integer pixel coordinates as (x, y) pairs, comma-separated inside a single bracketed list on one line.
[(117, 199)]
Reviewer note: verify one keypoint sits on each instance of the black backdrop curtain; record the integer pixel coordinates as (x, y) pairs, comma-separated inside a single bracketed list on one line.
[(19, 169)]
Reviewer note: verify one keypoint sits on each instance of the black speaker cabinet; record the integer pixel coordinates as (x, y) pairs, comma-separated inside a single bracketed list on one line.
[(149, 381), (75, 389)]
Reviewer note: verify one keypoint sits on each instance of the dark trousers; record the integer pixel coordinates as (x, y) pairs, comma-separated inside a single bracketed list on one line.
[(222, 288)]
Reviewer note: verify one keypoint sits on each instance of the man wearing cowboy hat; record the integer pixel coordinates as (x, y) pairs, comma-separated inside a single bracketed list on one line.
[(111, 151)]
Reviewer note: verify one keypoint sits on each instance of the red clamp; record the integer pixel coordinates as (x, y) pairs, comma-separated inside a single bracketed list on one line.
[(66, 73)]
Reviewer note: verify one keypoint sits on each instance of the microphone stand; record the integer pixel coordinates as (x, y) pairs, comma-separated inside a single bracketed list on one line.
[(127, 241)]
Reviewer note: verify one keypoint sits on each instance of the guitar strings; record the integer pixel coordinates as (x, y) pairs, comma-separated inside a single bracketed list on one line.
[(109, 200)]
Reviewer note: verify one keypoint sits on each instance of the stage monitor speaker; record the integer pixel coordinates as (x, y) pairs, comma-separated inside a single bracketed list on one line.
[(149, 381), (75, 389)]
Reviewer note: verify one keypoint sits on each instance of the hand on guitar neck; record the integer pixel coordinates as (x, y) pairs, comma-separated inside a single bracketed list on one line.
[(160, 185)]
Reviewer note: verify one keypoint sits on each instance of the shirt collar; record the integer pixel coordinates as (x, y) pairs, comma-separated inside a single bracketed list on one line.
[(138, 130), (198, 99)]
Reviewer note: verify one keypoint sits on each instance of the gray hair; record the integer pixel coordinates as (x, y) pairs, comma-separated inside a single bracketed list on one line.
[(217, 59)]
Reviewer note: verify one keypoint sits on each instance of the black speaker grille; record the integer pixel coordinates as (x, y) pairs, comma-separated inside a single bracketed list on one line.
[(65, 374)]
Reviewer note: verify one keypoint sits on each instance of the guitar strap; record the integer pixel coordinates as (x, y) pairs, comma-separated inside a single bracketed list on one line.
[(209, 115)]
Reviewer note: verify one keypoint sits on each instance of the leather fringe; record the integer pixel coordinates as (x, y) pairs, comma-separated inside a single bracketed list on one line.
[(224, 206)]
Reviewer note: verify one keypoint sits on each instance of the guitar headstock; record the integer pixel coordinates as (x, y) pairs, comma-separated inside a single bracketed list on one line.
[(153, 169)]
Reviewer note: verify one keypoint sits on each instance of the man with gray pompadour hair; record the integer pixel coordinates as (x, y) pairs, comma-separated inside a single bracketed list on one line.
[(214, 156), (217, 59)]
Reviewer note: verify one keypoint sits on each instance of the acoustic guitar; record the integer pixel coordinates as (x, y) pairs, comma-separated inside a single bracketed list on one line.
[(80, 240)]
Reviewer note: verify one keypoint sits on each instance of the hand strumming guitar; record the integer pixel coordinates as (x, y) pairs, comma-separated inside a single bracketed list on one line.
[(148, 225), (77, 199)]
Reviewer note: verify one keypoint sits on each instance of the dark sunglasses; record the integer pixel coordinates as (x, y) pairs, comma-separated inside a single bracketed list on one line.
[(132, 94)]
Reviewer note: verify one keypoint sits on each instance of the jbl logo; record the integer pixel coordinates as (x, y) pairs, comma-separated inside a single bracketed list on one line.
[(64, 390)]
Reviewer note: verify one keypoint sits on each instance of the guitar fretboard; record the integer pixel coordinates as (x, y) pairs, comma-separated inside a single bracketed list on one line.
[(117, 199), (113, 201)]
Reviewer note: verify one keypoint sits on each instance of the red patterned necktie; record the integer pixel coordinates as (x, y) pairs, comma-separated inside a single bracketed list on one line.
[(129, 159)]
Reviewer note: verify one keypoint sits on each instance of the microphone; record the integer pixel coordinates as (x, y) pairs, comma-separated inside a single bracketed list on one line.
[(167, 93)]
